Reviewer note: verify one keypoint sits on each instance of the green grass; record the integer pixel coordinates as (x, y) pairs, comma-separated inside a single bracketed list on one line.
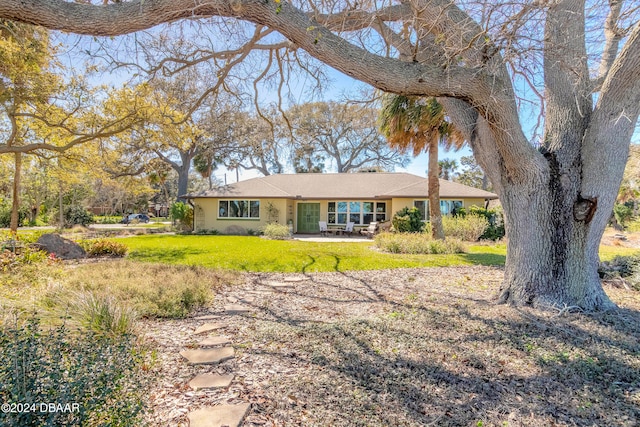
[(242, 253), (248, 253)]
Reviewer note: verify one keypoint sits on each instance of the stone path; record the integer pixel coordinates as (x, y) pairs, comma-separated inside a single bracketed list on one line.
[(214, 350)]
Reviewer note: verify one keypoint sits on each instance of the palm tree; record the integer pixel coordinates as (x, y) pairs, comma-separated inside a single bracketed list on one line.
[(447, 169), (421, 125)]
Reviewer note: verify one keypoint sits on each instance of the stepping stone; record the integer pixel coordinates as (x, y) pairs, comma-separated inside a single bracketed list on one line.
[(208, 317), (281, 287), (293, 279), (236, 309), (210, 381), (207, 327), (214, 342), (219, 415), (208, 356), (232, 300), (247, 300)]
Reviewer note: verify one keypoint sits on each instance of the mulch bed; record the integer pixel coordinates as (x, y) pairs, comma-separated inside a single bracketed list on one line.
[(407, 347)]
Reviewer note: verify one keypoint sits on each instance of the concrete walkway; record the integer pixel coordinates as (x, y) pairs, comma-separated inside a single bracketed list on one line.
[(330, 238)]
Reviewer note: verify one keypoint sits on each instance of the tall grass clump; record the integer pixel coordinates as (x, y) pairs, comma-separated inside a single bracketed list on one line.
[(99, 377), (417, 243), (102, 314), (468, 228), (152, 290), (276, 231)]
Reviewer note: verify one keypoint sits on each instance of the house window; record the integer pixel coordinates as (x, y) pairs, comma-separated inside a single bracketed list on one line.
[(423, 207), (360, 213), (447, 207), (381, 212), (239, 209), (450, 207)]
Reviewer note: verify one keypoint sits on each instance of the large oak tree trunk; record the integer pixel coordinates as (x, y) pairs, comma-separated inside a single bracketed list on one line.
[(552, 260)]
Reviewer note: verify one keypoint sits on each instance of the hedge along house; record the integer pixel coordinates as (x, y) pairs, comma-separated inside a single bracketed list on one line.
[(302, 200)]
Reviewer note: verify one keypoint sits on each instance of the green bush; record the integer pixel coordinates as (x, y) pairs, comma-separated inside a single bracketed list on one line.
[(623, 213), (625, 267), (207, 232), (5, 214), (73, 215), (101, 376), (276, 231), (9, 259), (417, 243), (495, 217), (408, 220), (468, 228), (106, 219), (104, 247), (183, 214)]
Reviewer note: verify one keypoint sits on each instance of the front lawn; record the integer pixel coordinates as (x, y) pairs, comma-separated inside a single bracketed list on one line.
[(247, 253)]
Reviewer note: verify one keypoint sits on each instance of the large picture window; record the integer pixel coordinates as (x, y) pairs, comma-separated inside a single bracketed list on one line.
[(239, 209), (447, 207), (360, 213)]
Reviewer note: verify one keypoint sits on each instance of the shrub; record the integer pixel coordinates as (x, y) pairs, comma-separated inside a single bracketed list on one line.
[(276, 231), (5, 214), (183, 214), (104, 247), (207, 232), (73, 215), (408, 220), (625, 267), (106, 219), (417, 243), (623, 213), (495, 217), (101, 374), (25, 255), (468, 228)]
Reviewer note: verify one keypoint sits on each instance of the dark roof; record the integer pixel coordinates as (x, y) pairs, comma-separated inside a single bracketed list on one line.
[(378, 185)]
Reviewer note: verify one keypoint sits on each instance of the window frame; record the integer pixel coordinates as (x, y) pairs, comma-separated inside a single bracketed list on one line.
[(250, 206), (451, 204), (339, 212)]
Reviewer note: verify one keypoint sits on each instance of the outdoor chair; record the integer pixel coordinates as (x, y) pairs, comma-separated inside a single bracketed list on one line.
[(349, 228), (323, 228), (371, 230)]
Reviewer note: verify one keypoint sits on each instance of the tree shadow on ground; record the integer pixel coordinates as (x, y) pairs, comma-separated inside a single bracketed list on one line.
[(484, 259), (454, 360)]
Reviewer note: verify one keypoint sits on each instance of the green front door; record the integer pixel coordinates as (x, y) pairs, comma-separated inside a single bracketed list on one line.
[(308, 217)]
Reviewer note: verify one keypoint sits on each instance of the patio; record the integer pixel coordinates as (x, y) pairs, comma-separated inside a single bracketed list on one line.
[(330, 238)]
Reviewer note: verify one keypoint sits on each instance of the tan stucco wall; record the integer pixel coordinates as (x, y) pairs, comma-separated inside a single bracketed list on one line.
[(206, 216), (473, 202)]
